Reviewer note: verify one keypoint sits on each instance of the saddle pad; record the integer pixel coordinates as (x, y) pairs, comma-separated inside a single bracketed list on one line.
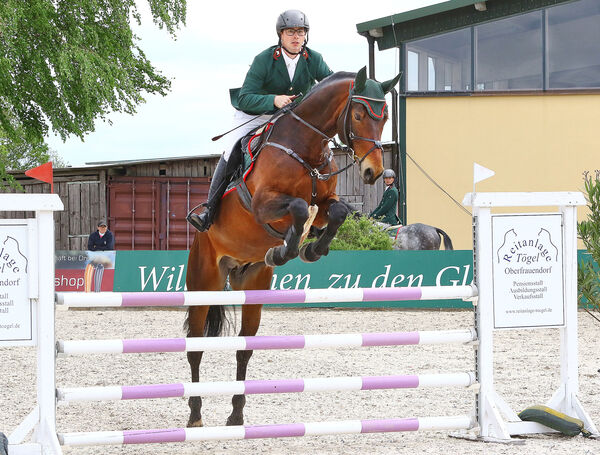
[(248, 145)]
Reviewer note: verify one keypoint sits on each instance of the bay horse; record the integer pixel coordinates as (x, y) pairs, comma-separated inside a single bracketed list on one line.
[(285, 181)]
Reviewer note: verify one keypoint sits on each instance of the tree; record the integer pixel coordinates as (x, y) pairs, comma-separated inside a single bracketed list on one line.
[(589, 231), (66, 63)]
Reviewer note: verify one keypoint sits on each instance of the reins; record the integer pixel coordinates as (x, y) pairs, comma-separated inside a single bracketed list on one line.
[(347, 136)]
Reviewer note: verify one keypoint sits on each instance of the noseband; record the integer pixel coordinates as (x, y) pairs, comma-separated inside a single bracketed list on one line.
[(348, 135)]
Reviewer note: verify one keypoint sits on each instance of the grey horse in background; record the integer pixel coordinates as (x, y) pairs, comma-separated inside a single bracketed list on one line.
[(420, 236), (3, 444)]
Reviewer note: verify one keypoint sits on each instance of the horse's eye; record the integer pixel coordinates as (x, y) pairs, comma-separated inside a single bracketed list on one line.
[(356, 116)]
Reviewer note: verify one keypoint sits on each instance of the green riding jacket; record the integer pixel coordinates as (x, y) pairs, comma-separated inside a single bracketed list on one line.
[(387, 206), (268, 76)]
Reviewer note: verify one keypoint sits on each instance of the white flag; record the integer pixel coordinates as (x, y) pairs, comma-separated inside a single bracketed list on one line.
[(481, 173)]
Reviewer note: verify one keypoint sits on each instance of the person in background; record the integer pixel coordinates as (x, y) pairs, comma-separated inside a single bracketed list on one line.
[(102, 239), (278, 75), (386, 210)]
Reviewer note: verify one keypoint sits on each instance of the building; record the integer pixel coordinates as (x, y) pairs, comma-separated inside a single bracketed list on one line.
[(145, 202), (513, 85)]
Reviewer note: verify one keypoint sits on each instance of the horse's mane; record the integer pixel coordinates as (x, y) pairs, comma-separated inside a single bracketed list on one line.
[(329, 80)]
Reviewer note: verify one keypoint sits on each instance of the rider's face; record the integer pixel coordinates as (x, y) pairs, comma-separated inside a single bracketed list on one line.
[(292, 43)]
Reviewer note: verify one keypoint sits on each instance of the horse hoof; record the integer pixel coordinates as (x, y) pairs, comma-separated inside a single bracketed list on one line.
[(234, 421), (195, 423), (303, 256), (269, 258)]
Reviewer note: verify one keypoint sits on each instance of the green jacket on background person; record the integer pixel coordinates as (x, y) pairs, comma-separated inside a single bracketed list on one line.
[(387, 206), (268, 76)]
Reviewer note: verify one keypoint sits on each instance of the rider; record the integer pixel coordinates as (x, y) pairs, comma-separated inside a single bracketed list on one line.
[(386, 210), (277, 76)]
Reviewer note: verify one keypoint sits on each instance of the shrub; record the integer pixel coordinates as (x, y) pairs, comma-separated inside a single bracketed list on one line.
[(361, 233), (589, 232)]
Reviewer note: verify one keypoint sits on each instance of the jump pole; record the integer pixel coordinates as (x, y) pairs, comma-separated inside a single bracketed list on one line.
[(254, 386), (266, 431), (243, 343), (266, 297)]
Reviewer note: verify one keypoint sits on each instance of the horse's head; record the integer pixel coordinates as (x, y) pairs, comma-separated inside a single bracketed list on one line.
[(361, 123)]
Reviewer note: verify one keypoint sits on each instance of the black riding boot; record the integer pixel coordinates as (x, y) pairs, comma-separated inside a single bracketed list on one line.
[(218, 184)]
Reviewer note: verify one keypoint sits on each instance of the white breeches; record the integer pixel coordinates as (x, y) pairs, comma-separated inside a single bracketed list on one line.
[(240, 117)]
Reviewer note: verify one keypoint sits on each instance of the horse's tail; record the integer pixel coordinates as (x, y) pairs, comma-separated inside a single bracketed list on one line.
[(216, 319), (216, 322), (447, 240)]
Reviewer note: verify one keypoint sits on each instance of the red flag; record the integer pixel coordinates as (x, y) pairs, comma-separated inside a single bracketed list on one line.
[(43, 173)]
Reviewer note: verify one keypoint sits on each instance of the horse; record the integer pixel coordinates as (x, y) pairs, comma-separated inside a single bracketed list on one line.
[(290, 195), (420, 236)]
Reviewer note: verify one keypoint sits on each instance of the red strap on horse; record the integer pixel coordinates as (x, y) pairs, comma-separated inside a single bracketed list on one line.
[(397, 232)]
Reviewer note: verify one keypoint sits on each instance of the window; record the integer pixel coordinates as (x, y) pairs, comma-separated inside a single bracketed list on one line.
[(509, 53), (574, 45), (440, 63), (556, 47), (413, 74)]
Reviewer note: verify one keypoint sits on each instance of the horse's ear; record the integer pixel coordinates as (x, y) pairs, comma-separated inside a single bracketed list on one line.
[(360, 80), (388, 85)]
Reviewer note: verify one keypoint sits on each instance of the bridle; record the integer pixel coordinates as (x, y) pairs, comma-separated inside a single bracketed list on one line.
[(347, 136)]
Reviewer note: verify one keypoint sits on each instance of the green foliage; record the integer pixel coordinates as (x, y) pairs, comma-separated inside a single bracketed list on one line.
[(70, 62), (589, 231), (588, 291), (361, 234), (64, 64)]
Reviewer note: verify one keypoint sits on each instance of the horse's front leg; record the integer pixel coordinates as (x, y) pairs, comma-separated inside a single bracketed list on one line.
[(336, 214), (275, 209)]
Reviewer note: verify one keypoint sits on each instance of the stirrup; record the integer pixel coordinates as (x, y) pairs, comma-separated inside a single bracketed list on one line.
[(198, 222)]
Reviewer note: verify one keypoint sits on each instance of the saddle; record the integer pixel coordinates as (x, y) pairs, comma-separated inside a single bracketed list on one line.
[(244, 153)]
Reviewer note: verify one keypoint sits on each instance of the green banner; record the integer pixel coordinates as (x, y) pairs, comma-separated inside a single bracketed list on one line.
[(165, 271), (150, 271)]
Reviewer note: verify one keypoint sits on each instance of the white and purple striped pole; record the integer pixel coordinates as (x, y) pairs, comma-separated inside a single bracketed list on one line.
[(266, 431), (127, 346), (266, 297), (253, 387)]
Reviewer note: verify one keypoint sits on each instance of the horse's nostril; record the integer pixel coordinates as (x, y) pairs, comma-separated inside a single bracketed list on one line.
[(368, 175)]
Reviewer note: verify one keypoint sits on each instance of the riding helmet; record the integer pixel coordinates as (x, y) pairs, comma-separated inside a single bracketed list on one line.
[(292, 18), (389, 173)]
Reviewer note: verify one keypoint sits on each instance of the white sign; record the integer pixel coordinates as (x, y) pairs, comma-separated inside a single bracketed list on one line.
[(16, 310), (528, 271)]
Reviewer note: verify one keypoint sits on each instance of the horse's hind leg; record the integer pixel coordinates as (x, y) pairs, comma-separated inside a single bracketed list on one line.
[(202, 274), (337, 213), (257, 277)]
